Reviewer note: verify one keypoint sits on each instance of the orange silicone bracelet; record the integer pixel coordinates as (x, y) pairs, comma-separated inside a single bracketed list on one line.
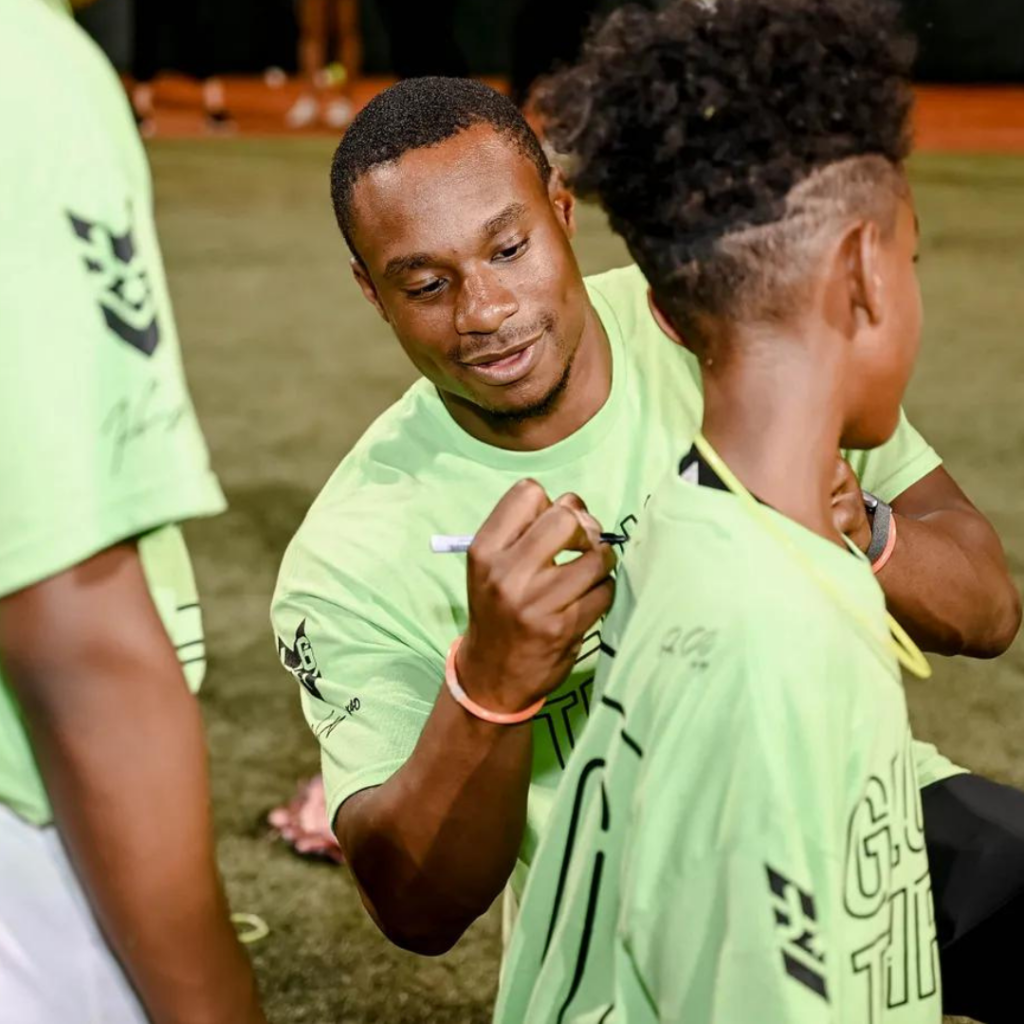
[(890, 544), (451, 677)]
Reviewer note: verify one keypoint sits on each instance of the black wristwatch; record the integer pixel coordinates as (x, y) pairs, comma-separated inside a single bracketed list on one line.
[(881, 520)]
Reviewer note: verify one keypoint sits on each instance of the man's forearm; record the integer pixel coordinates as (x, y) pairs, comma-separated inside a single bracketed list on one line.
[(435, 845), (947, 584)]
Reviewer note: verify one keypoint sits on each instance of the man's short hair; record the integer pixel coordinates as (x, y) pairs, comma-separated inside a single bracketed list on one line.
[(728, 140), (415, 114)]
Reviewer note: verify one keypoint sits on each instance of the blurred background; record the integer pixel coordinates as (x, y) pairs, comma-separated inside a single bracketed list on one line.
[(242, 102), (305, 65)]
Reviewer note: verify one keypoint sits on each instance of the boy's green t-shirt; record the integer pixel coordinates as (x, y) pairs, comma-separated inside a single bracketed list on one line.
[(364, 612), (100, 440), (739, 836)]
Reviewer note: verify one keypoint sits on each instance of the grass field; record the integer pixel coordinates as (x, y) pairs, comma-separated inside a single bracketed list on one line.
[(288, 365)]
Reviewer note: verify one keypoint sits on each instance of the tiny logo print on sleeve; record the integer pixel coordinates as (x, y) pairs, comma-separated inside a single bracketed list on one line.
[(301, 661), (125, 293), (797, 922)]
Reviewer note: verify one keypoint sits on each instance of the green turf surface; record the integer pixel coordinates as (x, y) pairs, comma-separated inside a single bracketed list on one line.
[(288, 365)]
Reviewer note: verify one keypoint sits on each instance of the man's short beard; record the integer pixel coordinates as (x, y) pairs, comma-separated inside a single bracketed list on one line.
[(539, 409)]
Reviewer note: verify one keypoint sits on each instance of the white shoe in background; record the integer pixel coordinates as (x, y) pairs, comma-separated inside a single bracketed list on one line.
[(303, 113), (339, 113)]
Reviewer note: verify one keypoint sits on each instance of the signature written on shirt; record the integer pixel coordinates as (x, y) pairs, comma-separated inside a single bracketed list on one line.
[(323, 729), (132, 419)]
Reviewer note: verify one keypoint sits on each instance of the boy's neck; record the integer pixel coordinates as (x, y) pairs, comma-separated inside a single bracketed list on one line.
[(774, 414)]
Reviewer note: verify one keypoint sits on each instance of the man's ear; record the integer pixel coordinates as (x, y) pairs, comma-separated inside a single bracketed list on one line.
[(366, 286), (663, 321), (563, 201), (861, 254)]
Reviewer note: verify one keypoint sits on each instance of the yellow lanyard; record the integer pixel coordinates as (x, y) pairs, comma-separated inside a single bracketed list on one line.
[(908, 654)]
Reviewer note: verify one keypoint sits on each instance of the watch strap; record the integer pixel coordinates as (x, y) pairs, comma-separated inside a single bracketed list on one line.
[(881, 525)]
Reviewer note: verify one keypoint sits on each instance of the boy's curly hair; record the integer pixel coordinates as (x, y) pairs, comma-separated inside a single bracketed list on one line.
[(705, 128)]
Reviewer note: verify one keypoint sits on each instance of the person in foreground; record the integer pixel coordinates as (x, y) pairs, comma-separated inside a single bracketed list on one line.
[(111, 908), (739, 836), (460, 234)]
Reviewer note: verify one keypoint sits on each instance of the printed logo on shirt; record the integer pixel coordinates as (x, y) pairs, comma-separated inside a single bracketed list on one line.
[(125, 292), (300, 660), (796, 919), (888, 889)]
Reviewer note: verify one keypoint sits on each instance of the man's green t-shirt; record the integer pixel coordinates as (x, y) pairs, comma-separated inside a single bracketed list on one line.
[(364, 613), (100, 440), (739, 836)]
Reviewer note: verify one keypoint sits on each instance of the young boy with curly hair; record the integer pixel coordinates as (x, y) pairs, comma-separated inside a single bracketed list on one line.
[(738, 838)]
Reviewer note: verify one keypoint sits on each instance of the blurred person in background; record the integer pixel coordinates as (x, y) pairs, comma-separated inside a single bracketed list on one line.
[(111, 907), (460, 236), (326, 27), (421, 41)]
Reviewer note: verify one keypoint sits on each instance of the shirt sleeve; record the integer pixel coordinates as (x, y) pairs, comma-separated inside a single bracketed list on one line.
[(366, 695), (931, 766), (100, 440), (897, 465)]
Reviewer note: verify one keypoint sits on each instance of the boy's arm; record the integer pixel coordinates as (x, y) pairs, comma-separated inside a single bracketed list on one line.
[(119, 742)]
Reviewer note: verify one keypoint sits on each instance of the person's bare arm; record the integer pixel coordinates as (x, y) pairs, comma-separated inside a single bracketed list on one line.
[(947, 582), (433, 846), (119, 742)]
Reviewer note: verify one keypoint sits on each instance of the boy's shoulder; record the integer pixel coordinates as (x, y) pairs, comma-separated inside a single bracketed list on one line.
[(704, 563)]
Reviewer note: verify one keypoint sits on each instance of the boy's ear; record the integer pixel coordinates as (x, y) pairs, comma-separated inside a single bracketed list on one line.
[(862, 262)]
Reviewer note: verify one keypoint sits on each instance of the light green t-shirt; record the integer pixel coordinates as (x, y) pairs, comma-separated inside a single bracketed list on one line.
[(364, 613), (100, 440), (739, 836)]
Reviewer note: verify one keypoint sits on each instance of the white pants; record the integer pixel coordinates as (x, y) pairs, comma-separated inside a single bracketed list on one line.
[(55, 967)]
